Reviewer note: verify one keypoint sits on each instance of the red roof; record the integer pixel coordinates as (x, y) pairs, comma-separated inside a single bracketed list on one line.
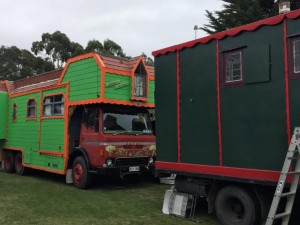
[(52, 77), (231, 32), (2, 87)]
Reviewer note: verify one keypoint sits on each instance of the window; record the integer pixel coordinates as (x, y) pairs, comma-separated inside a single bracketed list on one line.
[(92, 119), (14, 112), (295, 56), (232, 67), (126, 122), (140, 82), (31, 108), (53, 105)]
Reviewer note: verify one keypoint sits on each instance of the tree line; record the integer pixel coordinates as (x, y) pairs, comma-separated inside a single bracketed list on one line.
[(50, 53), (239, 12)]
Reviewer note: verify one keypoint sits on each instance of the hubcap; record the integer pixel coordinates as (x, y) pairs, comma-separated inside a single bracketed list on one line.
[(78, 173), (235, 209)]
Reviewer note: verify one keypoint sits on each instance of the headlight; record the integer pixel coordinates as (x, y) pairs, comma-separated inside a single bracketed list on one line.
[(151, 160), (109, 162)]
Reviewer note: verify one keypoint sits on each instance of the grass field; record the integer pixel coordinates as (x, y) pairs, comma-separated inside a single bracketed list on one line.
[(43, 198)]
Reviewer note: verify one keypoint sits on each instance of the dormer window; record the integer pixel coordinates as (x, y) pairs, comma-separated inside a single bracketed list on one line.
[(140, 81)]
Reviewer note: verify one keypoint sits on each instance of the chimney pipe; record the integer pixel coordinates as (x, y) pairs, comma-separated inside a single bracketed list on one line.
[(284, 6)]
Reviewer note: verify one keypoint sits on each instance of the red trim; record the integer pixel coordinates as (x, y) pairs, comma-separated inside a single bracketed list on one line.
[(242, 173), (219, 104), (286, 77), (231, 32), (178, 104)]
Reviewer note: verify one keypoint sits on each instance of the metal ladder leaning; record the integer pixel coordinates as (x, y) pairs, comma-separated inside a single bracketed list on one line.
[(292, 154)]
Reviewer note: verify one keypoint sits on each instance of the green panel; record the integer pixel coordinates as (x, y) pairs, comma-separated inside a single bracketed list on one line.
[(256, 64), (253, 115), (85, 80), (293, 27), (113, 92), (23, 133), (165, 113), (48, 162), (198, 106), (151, 91), (54, 91), (3, 114), (52, 135)]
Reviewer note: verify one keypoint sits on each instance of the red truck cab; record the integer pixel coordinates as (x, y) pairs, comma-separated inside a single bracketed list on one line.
[(115, 141)]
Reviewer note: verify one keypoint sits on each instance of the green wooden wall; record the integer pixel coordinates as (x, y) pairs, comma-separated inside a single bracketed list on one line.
[(117, 87), (253, 115), (3, 114), (84, 77), (24, 134), (198, 112), (165, 102)]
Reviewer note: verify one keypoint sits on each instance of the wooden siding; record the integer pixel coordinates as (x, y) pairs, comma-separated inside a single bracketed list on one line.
[(3, 114), (113, 91), (84, 78)]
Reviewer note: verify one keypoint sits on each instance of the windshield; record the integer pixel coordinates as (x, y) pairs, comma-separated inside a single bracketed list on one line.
[(126, 122)]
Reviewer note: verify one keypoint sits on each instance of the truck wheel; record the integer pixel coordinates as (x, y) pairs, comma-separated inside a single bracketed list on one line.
[(80, 174), (19, 168), (9, 161), (235, 206)]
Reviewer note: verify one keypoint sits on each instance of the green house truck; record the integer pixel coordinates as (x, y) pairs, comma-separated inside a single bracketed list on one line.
[(226, 108), (92, 117)]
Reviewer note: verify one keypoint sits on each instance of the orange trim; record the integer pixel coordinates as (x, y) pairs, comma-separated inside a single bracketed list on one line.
[(134, 98), (7, 86), (31, 118), (66, 130), (40, 119), (119, 72), (13, 149), (45, 152), (44, 169), (111, 101), (78, 58), (54, 86), (151, 77)]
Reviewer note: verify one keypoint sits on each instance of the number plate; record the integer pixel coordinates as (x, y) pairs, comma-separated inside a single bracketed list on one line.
[(134, 169)]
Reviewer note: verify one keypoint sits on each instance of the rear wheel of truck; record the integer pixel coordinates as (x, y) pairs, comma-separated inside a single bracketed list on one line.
[(19, 168), (9, 161), (80, 174), (236, 206)]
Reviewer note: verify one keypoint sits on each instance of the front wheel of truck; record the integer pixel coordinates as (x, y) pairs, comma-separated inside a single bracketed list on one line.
[(80, 174)]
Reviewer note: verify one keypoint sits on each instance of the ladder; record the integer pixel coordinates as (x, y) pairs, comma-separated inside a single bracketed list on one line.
[(292, 154)]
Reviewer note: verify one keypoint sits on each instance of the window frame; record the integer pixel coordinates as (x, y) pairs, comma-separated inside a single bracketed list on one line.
[(14, 112), (145, 78), (291, 60), (27, 107), (53, 116), (225, 54)]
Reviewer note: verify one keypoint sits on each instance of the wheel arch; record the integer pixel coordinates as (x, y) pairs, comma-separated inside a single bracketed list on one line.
[(78, 152)]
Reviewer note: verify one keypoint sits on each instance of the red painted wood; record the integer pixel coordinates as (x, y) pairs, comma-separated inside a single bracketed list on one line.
[(178, 104), (231, 32)]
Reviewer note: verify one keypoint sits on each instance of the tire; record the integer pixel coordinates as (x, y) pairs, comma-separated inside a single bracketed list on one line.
[(9, 162), (236, 206), (19, 168), (80, 174)]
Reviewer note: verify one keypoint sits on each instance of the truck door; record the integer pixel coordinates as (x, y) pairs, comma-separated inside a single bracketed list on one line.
[(89, 137)]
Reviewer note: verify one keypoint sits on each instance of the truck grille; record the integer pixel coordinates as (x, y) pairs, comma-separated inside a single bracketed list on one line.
[(131, 161)]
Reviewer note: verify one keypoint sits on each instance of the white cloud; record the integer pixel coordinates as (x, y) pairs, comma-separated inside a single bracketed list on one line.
[(138, 26)]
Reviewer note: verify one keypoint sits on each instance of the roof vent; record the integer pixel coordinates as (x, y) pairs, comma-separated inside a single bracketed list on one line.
[(284, 6)]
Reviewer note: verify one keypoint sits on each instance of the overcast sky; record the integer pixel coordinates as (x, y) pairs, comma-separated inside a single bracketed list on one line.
[(137, 25)]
